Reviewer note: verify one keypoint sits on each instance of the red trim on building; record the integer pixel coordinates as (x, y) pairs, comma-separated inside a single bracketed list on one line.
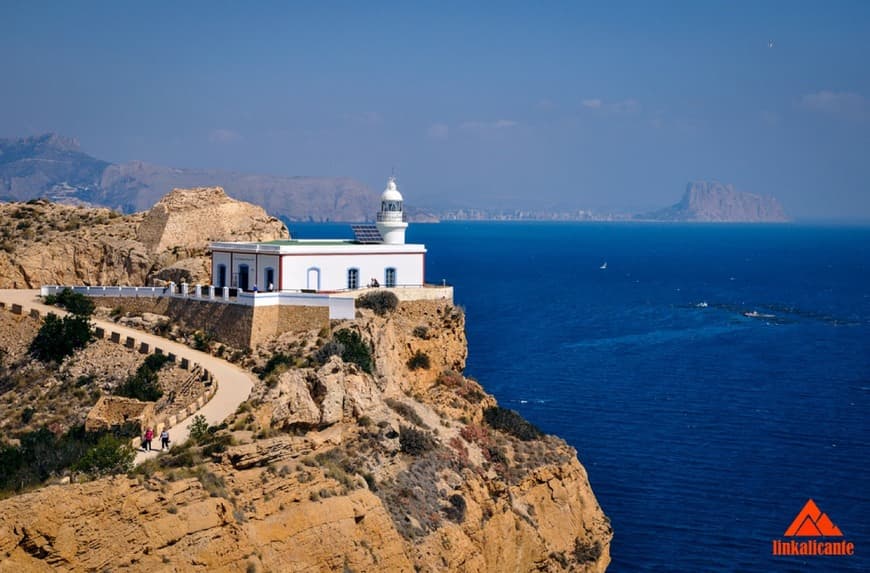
[(280, 273)]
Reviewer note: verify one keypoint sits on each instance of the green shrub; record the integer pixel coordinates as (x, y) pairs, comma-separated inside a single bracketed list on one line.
[(511, 422), (419, 360), (356, 350), (331, 348), (198, 428), (380, 301), (42, 454), (421, 332), (75, 303), (27, 415), (414, 442), (111, 455), (202, 340), (60, 337), (276, 361), (144, 384)]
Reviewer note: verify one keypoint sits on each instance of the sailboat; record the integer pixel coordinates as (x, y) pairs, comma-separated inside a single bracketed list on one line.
[(604, 266)]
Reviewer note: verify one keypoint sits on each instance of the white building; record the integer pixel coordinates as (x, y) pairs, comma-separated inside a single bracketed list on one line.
[(377, 257)]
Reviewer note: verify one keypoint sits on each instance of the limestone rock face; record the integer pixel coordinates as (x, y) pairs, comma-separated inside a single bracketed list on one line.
[(48, 243), (320, 476), (120, 523), (191, 218), (336, 392)]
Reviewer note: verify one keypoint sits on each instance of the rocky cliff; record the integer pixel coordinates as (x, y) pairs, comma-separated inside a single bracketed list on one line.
[(47, 243), (712, 201), (329, 467)]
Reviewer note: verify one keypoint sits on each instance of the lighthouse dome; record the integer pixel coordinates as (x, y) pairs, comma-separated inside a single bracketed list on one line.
[(391, 193)]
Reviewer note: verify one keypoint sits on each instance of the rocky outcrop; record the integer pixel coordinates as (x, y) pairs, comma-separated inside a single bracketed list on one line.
[(190, 219), (48, 243), (711, 201)]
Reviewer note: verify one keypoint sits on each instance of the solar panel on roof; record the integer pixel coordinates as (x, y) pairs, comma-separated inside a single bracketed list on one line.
[(367, 234)]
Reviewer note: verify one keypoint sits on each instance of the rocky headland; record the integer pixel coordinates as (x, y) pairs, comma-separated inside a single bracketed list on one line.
[(712, 201), (362, 447), (391, 464)]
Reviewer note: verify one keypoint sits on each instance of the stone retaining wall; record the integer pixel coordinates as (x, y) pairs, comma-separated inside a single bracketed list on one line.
[(235, 325)]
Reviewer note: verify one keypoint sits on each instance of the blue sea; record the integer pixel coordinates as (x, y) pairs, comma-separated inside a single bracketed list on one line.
[(712, 377)]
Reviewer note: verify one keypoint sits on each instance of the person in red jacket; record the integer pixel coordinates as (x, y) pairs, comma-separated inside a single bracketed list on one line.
[(149, 435)]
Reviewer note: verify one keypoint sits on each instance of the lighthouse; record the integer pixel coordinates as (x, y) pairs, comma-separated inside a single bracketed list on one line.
[(391, 220)]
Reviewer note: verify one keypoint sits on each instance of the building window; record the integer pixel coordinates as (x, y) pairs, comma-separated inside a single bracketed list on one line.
[(390, 277), (222, 276), (313, 279), (352, 279)]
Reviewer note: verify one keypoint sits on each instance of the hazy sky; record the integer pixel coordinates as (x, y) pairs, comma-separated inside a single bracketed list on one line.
[(605, 105)]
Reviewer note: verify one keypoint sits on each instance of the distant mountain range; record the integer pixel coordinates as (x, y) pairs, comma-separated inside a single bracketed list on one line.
[(54, 167)]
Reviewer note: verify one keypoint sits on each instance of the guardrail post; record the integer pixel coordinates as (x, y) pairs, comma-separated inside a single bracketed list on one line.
[(183, 289), (225, 293), (171, 288), (211, 292), (197, 291)]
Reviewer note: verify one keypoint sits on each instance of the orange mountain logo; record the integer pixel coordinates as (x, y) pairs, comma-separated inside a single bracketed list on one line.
[(812, 522)]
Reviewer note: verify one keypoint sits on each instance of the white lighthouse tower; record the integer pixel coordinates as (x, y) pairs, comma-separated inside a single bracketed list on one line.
[(392, 221)]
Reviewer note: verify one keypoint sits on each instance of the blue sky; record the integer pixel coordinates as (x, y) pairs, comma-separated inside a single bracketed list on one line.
[(607, 106)]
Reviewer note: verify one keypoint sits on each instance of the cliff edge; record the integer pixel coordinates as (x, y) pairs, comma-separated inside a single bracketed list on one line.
[(49, 243), (363, 447)]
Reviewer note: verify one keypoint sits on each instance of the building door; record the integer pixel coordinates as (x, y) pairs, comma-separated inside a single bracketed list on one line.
[(243, 277), (270, 279), (352, 279), (390, 277), (313, 282), (222, 276)]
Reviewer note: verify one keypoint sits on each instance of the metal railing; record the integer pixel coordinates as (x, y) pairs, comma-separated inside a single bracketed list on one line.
[(392, 217)]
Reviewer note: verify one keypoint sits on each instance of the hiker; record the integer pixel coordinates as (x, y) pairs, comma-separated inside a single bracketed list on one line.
[(149, 435), (164, 440), (255, 288), (271, 287)]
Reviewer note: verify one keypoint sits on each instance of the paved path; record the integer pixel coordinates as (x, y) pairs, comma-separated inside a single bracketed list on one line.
[(233, 384)]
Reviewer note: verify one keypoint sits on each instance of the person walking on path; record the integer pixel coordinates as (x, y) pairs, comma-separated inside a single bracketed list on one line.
[(164, 440), (149, 435)]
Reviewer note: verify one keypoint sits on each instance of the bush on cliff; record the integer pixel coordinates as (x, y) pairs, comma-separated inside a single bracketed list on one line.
[(331, 348), (511, 422), (419, 360), (111, 455), (380, 301), (42, 454), (144, 384), (356, 350), (60, 337), (414, 442)]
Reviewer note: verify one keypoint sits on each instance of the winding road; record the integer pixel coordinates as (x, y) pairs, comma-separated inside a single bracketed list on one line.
[(233, 383)]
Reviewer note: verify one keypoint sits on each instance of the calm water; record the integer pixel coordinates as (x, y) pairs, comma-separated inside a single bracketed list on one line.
[(704, 431)]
